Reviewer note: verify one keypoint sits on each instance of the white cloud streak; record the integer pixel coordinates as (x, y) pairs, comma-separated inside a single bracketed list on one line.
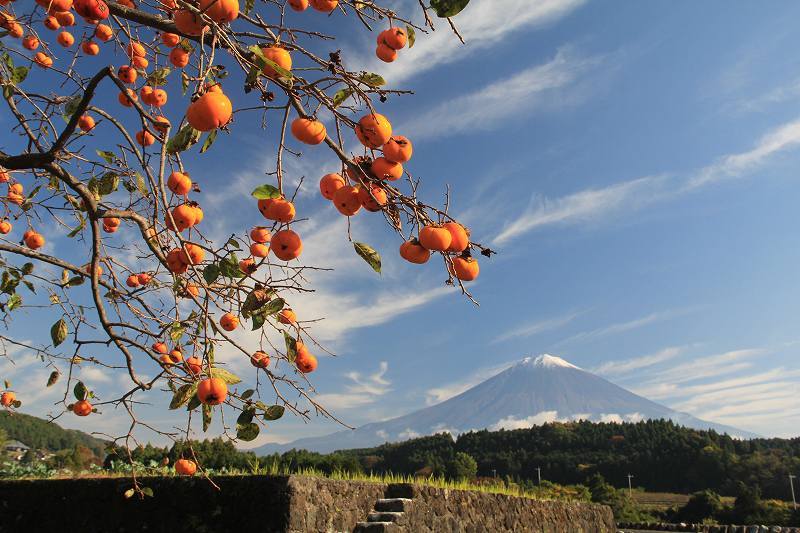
[(362, 390), (534, 328), (636, 363)]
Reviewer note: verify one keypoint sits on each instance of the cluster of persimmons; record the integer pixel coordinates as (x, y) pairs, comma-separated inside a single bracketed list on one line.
[(169, 206)]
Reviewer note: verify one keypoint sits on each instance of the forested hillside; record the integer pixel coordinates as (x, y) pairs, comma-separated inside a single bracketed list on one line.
[(41, 434), (659, 454)]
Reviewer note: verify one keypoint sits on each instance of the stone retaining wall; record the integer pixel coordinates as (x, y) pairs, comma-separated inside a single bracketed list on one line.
[(292, 504)]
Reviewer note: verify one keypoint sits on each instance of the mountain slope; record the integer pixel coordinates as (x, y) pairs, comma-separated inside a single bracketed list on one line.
[(533, 391), (41, 434)]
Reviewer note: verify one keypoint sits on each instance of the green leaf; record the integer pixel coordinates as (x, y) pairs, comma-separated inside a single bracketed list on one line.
[(274, 412), (147, 491), (109, 157), (19, 74), (79, 227), (14, 301), (184, 83), (265, 192), (248, 6), (247, 394), (80, 391), (58, 332), (185, 138), (258, 321), (448, 8), (183, 395), (340, 96), (194, 403), (211, 273), (72, 106), (291, 347), (247, 432), (206, 416), (54, 375), (210, 138), (176, 331), (273, 306), (369, 255), (141, 185), (226, 376), (108, 183), (158, 77), (27, 268), (246, 416), (412, 36), (7, 384), (74, 282), (372, 79), (229, 267)]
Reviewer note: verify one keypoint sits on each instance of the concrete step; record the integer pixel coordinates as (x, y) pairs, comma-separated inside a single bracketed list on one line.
[(396, 505), (400, 490), (376, 527), (387, 516)]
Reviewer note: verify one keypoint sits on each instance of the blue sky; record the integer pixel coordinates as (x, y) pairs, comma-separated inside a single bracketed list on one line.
[(633, 164)]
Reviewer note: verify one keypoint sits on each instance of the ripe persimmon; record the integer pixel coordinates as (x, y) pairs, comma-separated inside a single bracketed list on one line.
[(305, 361), (278, 55), (144, 278), (82, 408), (260, 234), (127, 98), (170, 39), (91, 9), (329, 184), (280, 210), (413, 252), (347, 200), (16, 31), (212, 391), (140, 62), (209, 112), (286, 245), (220, 11), (127, 74), (229, 322), (194, 365), (298, 5), (175, 262), (146, 94), (248, 265), (325, 6), (308, 131), (373, 130), (7, 398), (65, 18), (30, 42), (160, 347), (287, 316), (372, 198), (394, 38), (193, 254), (51, 23), (5, 227), (465, 268), (135, 48), (175, 356), (191, 290), (86, 122), (263, 206), (459, 235), (145, 138), (90, 48), (185, 467), (384, 169), (132, 281), (103, 33), (386, 54), (259, 360), (56, 5), (258, 249), (179, 57), (184, 217), (33, 239), (65, 39), (180, 183), (398, 149), (435, 237), (188, 23), (43, 60), (159, 98)]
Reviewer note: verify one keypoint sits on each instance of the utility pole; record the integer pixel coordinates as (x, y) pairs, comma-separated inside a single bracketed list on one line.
[(539, 473), (791, 485), (630, 488), (494, 472)]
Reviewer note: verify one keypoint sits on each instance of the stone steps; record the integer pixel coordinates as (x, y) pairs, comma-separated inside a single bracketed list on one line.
[(388, 511), (376, 527)]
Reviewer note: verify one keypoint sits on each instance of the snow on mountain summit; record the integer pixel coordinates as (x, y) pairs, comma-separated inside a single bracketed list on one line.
[(547, 361)]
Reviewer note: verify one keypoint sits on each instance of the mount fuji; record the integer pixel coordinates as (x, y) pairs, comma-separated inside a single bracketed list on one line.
[(531, 392)]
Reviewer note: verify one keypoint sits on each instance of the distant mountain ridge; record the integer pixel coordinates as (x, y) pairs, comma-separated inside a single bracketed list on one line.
[(534, 391), (41, 434)]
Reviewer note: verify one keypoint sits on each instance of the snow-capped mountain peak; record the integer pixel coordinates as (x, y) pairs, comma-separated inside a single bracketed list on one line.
[(547, 361)]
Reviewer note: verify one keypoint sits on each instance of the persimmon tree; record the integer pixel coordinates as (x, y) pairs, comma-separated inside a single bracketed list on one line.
[(137, 199)]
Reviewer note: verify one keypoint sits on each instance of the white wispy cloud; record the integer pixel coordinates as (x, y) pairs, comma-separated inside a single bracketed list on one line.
[(596, 203), (636, 363), (544, 86), (534, 328), (361, 390), (621, 327), (482, 25)]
